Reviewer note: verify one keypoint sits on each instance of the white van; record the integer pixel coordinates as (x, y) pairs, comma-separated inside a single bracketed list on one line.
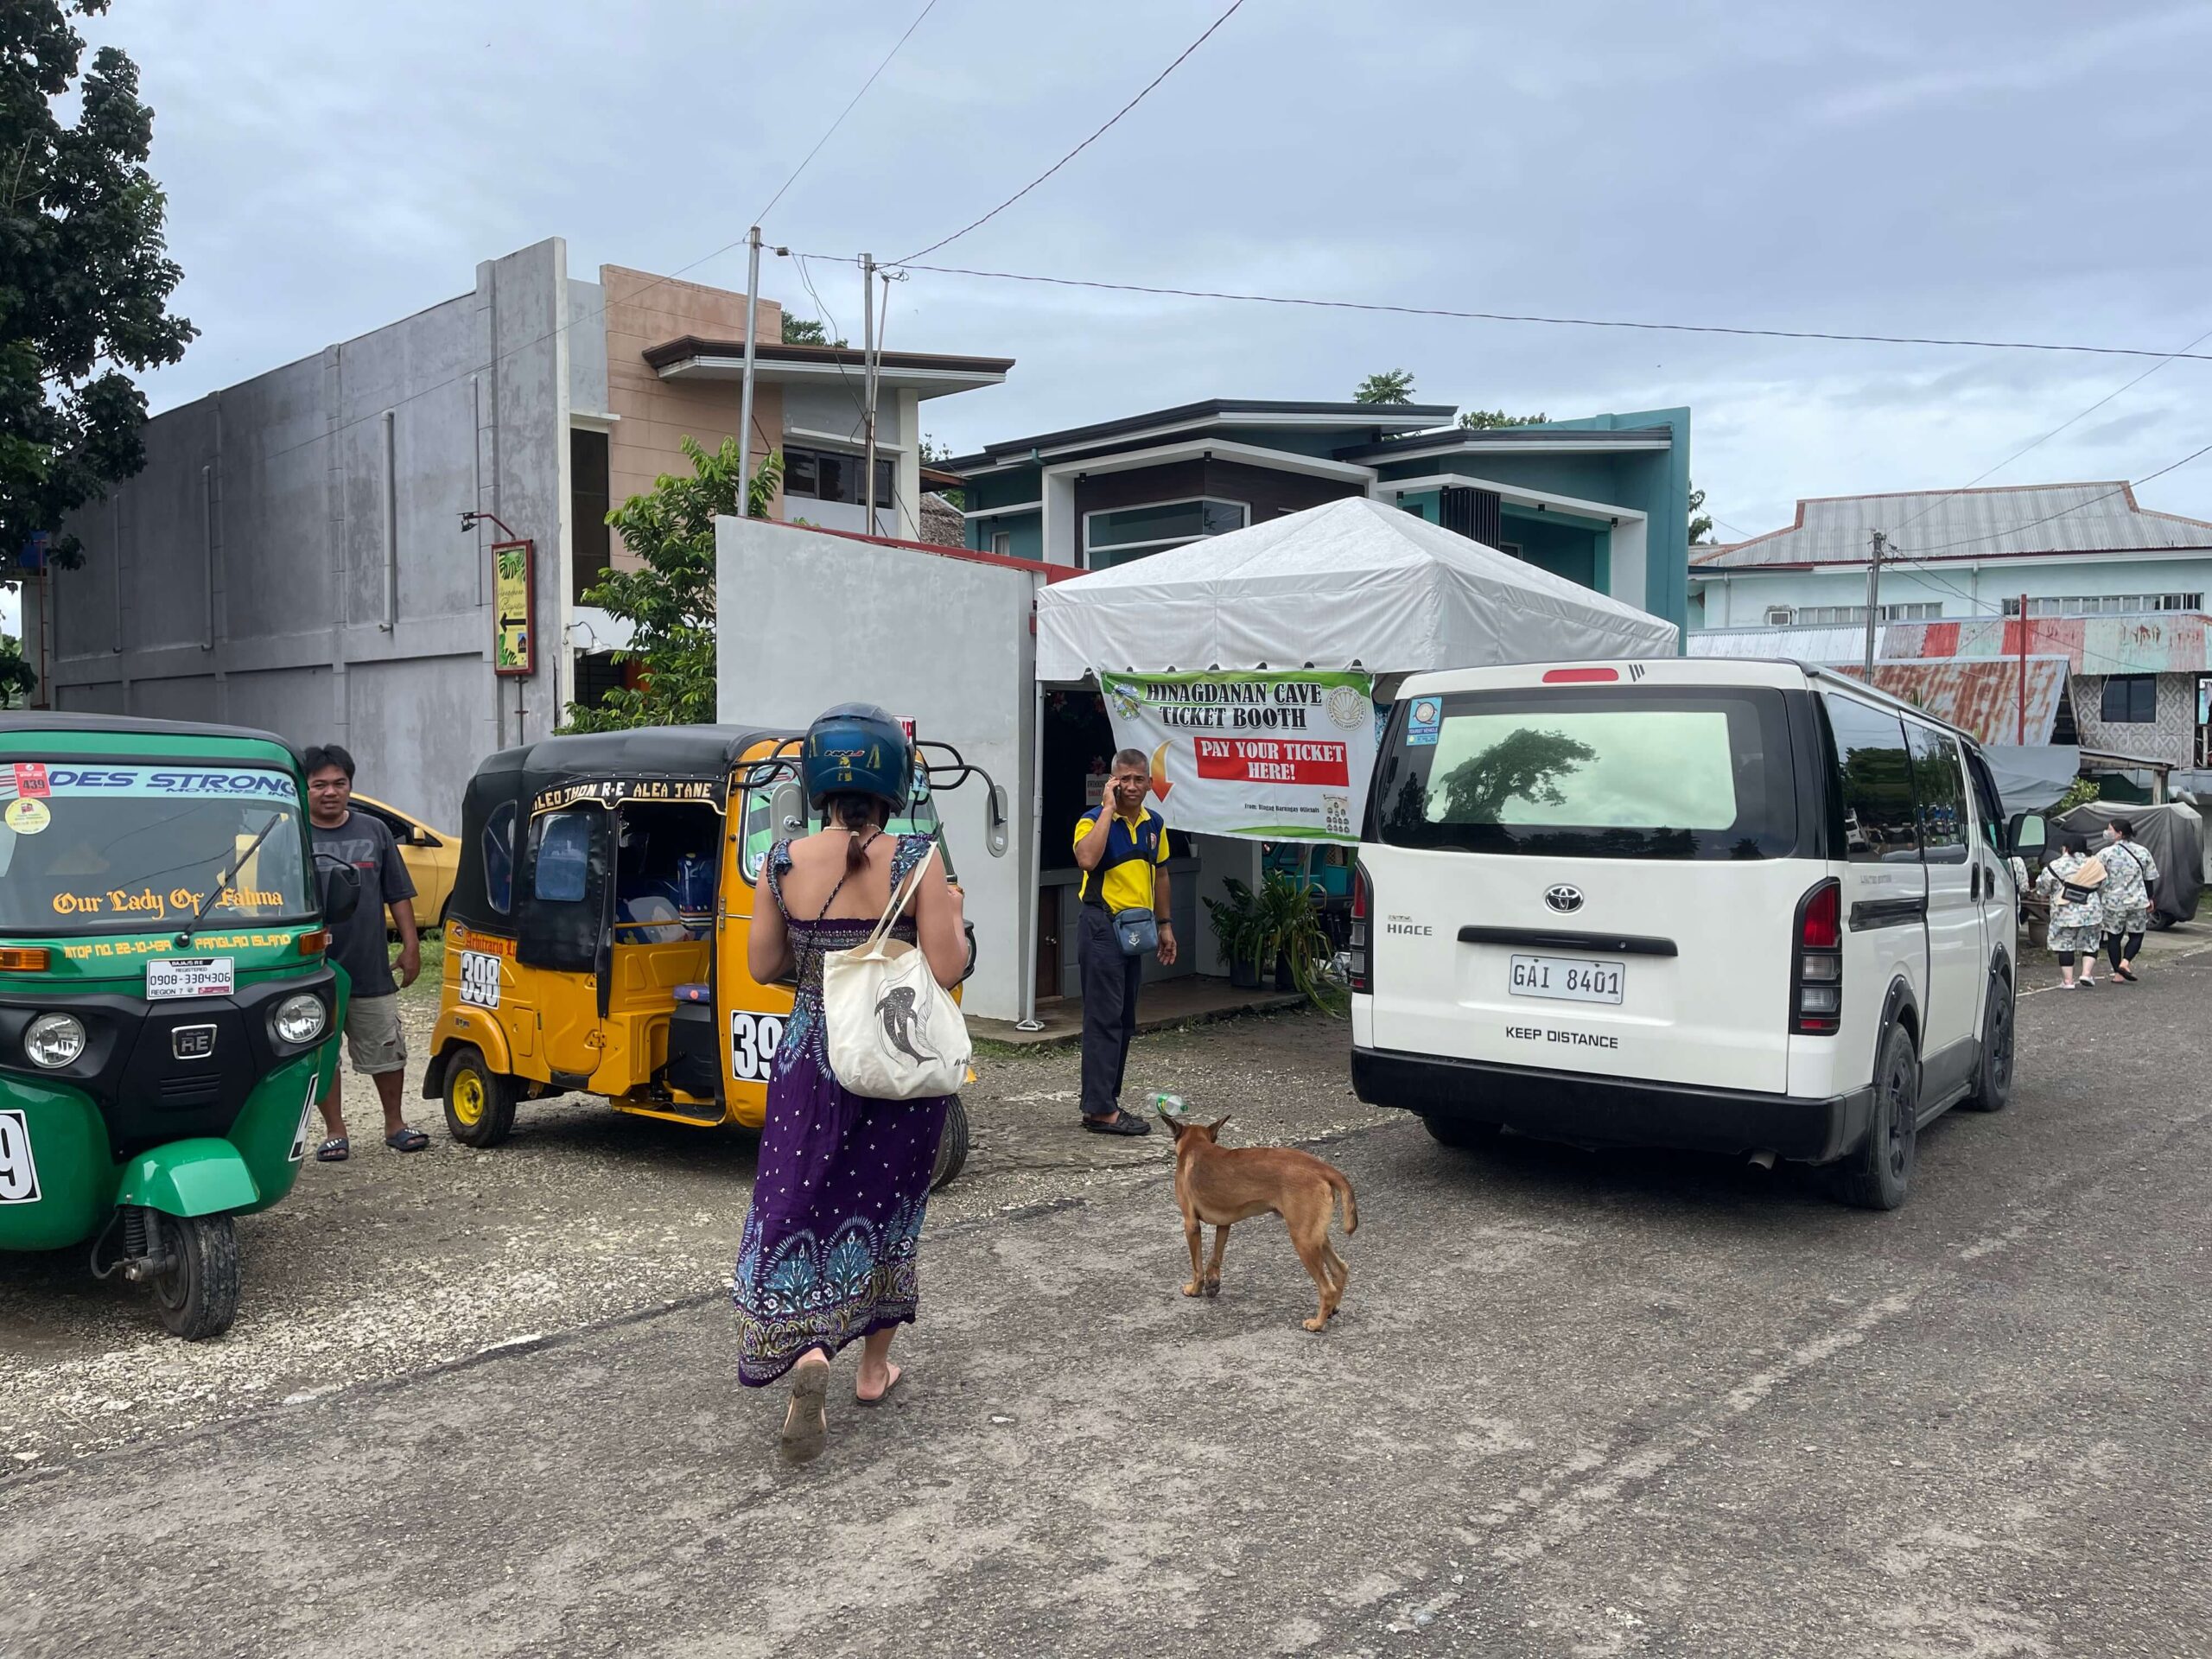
[(1750, 907)]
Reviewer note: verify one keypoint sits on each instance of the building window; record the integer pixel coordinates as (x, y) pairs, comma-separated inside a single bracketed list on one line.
[(2131, 700), (1120, 534), (1003, 543), (591, 540), (2107, 604), (827, 475), (1836, 616)]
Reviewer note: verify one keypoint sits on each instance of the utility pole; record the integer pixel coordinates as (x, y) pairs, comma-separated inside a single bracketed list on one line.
[(745, 399), (1874, 598), (867, 340)]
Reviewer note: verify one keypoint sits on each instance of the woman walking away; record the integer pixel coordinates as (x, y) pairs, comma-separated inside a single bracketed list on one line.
[(828, 1253), (2129, 873), (2072, 883)]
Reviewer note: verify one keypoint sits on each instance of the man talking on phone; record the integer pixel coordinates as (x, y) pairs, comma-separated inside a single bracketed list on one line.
[(1120, 846)]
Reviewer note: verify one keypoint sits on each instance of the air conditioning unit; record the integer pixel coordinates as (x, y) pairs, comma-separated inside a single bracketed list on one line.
[(1780, 616)]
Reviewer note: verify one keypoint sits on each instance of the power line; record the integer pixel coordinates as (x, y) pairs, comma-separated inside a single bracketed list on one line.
[(1837, 336), (847, 110), (2084, 415), (1085, 144)]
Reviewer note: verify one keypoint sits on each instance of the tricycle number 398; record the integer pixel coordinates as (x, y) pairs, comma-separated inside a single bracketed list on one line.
[(18, 1172)]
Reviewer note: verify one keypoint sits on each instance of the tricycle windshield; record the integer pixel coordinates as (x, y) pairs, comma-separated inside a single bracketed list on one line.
[(94, 848)]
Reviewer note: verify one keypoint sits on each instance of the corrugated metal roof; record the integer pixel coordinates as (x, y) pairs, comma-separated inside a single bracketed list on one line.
[(2165, 643), (1975, 523), (1982, 697)]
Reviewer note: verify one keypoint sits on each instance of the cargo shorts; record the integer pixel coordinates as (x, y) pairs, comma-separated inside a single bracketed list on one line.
[(374, 1041)]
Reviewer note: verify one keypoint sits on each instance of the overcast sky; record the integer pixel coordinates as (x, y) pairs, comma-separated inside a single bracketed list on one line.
[(2015, 170)]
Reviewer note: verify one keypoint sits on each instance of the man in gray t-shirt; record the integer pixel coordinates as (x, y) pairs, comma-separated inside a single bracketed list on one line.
[(373, 1039)]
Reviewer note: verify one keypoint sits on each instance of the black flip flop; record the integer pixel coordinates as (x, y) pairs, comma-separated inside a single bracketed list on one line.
[(335, 1150), (409, 1139), (898, 1376)]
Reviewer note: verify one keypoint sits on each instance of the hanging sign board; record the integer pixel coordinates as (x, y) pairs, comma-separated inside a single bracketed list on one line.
[(1267, 756), (514, 627)]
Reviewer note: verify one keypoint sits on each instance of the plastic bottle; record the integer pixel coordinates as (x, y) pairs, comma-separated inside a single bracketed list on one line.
[(1167, 1105)]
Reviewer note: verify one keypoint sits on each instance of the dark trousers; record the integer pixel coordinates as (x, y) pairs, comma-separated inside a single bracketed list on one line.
[(1110, 1009), (2123, 949)]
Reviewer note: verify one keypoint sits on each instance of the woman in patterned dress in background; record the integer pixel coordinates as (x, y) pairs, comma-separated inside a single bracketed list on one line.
[(828, 1252), (2078, 912)]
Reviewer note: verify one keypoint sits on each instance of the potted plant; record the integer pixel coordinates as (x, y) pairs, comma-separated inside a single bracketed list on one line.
[(1235, 921), (1288, 923)]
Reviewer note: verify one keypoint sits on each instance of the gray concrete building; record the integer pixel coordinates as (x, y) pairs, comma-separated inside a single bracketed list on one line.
[(292, 557)]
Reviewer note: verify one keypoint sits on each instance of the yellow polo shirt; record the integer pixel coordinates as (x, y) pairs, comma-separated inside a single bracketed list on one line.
[(1127, 885)]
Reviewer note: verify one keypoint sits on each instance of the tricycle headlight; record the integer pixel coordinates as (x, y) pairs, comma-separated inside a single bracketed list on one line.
[(299, 1019), (54, 1040)]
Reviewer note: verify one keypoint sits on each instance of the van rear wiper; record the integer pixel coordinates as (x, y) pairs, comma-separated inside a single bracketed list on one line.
[(184, 939)]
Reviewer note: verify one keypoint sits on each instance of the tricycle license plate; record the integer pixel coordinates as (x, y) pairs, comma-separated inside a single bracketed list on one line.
[(1567, 979), (188, 976)]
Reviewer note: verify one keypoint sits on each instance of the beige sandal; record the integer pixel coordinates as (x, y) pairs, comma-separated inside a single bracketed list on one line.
[(806, 1425)]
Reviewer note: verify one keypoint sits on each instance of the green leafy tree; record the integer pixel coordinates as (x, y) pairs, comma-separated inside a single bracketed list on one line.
[(84, 281), (1490, 420), (1700, 520), (670, 600), (1396, 387), (805, 331), (16, 679)]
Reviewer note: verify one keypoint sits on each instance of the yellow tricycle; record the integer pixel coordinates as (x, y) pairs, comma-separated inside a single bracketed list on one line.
[(595, 940)]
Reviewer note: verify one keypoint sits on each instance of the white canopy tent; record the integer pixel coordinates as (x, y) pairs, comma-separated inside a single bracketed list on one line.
[(1351, 583)]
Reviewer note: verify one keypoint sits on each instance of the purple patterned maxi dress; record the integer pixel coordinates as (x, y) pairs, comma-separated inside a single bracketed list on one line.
[(828, 1252)]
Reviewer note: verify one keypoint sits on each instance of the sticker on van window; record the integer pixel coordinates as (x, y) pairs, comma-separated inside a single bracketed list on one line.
[(1424, 722), (18, 1170), (479, 979), (26, 815)]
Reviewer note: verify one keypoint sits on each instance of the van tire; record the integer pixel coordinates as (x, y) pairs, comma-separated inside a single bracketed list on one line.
[(480, 1103), (1878, 1175), (1466, 1134), (1993, 1077), (951, 1146)]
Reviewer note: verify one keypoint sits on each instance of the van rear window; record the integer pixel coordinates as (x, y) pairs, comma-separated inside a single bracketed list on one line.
[(1589, 773)]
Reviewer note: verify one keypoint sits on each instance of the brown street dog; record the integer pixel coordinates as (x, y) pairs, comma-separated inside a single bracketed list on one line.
[(1221, 1185)]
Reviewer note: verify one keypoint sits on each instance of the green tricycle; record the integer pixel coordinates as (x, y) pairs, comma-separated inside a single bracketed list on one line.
[(168, 1018)]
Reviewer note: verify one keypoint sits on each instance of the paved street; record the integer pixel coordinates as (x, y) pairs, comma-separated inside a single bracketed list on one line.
[(1575, 1404)]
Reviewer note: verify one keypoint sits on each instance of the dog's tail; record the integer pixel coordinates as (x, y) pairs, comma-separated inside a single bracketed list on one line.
[(1343, 1189)]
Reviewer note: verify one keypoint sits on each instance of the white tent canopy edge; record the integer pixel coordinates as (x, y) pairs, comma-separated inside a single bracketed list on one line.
[(1354, 583)]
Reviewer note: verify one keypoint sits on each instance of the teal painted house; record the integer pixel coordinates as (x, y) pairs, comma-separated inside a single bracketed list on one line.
[(1602, 500)]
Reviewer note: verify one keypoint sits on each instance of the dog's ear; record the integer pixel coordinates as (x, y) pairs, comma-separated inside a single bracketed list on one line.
[(1214, 1128), (1174, 1122)]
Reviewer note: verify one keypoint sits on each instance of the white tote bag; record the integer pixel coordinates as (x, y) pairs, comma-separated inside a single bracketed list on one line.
[(895, 1033)]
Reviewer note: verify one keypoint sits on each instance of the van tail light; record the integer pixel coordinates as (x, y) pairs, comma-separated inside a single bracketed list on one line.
[(1816, 975), (1363, 905), (24, 959), (314, 943)]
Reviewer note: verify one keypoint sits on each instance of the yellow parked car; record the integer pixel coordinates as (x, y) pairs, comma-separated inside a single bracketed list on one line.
[(430, 855)]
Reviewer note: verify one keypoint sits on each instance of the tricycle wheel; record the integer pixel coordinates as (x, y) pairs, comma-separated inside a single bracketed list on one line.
[(951, 1146), (480, 1103), (198, 1293)]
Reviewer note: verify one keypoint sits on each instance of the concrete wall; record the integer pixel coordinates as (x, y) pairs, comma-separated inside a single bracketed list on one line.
[(654, 416), (941, 639), (1739, 599), (291, 556)]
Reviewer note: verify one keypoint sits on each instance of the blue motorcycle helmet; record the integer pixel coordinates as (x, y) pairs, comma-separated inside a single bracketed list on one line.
[(856, 748)]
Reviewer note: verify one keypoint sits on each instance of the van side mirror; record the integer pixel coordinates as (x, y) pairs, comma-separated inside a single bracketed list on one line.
[(2028, 837), (341, 892), (787, 814)]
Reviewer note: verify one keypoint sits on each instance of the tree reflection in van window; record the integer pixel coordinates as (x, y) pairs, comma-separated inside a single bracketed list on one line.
[(1526, 766)]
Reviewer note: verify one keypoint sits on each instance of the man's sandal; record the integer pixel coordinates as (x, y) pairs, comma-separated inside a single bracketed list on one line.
[(409, 1139), (336, 1150)]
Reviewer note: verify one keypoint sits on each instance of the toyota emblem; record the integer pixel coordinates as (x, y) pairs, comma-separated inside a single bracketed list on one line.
[(1563, 899)]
